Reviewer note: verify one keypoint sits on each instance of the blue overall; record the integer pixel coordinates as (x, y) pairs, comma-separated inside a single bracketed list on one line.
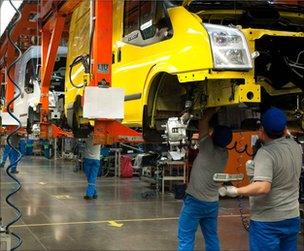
[(196, 212), (12, 155), (274, 236), (5, 155), (91, 168)]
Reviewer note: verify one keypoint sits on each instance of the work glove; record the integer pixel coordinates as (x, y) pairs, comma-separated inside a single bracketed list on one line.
[(229, 191), (250, 168)]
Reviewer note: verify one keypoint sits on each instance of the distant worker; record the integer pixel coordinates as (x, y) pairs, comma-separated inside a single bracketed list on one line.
[(201, 201), (91, 165), (11, 153), (274, 191)]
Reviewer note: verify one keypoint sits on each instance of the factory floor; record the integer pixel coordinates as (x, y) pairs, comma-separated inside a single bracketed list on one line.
[(56, 217)]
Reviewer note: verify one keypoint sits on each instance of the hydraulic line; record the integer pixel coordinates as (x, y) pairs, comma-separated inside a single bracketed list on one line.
[(9, 109), (244, 219), (84, 60)]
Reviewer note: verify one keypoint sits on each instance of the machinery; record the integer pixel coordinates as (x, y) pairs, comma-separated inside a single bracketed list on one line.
[(237, 54), (27, 72), (195, 55), (46, 102)]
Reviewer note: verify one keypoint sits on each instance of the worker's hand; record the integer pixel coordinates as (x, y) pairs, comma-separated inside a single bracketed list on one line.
[(250, 168), (230, 191)]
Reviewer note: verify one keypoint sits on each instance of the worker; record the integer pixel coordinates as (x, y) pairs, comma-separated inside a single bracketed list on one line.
[(91, 165), (201, 200), (274, 190), (12, 153), (5, 155)]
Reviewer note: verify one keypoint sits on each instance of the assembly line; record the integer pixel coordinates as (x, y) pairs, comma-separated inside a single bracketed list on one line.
[(152, 125)]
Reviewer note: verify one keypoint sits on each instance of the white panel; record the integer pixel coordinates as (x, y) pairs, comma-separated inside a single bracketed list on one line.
[(103, 103), (7, 119)]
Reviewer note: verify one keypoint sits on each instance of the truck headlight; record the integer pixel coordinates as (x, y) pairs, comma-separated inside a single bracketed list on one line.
[(229, 48)]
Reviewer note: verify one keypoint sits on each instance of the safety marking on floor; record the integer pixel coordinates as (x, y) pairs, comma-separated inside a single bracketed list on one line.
[(113, 223), (62, 196), (107, 221)]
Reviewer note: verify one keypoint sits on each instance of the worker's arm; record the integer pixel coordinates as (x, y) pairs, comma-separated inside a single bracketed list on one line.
[(204, 122), (254, 189), (262, 179), (263, 175)]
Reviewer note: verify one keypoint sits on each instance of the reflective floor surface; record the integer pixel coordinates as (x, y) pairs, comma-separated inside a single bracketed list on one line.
[(56, 217)]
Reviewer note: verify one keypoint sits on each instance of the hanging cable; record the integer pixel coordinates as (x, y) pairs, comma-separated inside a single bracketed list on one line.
[(244, 219), (8, 140), (85, 61), (243, 150)]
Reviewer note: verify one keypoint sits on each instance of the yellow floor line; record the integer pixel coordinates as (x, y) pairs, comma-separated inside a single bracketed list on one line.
[(107, 221)]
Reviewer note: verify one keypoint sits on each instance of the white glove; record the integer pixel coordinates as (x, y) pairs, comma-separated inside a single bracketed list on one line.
[(222, 191), (250, 168), (230, 191)]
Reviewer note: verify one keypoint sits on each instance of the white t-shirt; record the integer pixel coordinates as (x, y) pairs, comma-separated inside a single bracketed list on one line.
[(91, 151)]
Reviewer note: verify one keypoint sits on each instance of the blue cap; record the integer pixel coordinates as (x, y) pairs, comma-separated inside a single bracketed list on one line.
[(222, 135), (274, 121)]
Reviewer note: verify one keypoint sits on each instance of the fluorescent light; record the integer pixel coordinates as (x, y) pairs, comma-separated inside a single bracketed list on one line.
[(7, 12)]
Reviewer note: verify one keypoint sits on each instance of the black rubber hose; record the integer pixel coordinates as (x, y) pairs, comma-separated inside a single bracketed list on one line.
[(79, 59), (9, 109)]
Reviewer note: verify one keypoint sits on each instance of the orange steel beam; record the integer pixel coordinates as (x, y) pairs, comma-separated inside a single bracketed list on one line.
[(63, 7), (57, 132), (51, 36), (106, 132), (53, 20), (102, 42), (50, 43)]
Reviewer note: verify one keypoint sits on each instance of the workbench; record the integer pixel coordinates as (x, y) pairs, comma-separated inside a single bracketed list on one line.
[(171, 166)]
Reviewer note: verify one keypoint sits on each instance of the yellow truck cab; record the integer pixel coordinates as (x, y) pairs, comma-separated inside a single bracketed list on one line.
[(174, 56)]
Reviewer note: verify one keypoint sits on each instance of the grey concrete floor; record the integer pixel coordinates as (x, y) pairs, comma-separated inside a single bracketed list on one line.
[(55, 216)]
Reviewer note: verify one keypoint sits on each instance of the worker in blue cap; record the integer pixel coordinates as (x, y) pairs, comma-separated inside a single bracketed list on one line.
[(201, 201), (274, 190)]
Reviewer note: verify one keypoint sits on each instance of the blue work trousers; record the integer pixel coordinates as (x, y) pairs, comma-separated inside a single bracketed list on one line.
[(6, 152), (91, 168), (274, 236), (12, 155), (196, 212)]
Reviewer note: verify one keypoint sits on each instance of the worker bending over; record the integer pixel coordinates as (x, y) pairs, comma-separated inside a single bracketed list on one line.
[(201, 200), (91, 165), (274, 190)]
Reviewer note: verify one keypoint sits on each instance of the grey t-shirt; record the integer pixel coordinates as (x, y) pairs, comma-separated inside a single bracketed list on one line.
[(279, 162), (210, 160), (91, 151)]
